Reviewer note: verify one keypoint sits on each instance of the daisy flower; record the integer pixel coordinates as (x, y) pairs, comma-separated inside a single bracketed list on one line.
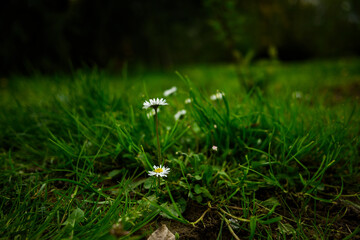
[(170, 91), (160, 171), (218, 95), (179, 114), (155, 103), (187, 101)]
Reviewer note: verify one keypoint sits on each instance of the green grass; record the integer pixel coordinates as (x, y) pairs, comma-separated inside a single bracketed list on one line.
[(74, 151)]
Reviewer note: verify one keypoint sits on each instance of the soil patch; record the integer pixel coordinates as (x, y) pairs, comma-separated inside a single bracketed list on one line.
[(208, 228), (339, 93)]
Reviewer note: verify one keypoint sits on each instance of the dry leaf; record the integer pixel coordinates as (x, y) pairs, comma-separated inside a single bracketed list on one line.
[(162, 233)]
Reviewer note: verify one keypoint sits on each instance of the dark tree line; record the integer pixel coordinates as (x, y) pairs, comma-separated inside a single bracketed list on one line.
[(52, 35)]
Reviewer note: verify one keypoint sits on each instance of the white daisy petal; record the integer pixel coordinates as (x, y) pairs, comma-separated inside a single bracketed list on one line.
[(154, 103)]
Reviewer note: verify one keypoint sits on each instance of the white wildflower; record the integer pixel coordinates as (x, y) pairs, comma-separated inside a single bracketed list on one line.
[(155, 103), (218, 95), (170, 91), (179, 114), (152, 113), (187, 101), (214, 148), (62, 97), (88, 144), (234, 223), (297, 95), (159, 171)]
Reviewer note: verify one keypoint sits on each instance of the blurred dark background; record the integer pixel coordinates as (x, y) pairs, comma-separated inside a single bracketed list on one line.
[(62, 35)]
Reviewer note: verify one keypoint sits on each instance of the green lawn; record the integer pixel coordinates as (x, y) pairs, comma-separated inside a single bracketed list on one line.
[(75, 152)]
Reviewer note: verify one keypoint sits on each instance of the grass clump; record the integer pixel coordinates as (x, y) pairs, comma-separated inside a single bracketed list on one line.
[(280, 161)]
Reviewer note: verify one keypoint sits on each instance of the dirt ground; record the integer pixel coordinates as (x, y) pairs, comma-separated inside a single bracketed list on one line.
[(339, 219)]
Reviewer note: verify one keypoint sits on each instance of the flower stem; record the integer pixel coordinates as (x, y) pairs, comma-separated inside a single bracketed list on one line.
[(158, 188), (157, 135)]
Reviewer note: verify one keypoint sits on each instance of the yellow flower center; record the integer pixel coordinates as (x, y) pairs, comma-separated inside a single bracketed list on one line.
[(159, 170)]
